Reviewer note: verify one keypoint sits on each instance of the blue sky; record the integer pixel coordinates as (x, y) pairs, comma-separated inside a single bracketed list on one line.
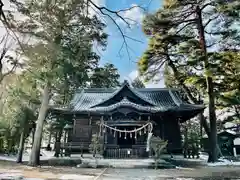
[(127, 66)]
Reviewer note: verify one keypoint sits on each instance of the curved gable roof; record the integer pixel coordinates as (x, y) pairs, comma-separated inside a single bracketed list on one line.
[(160, 99), (119, 91), (126, 103)]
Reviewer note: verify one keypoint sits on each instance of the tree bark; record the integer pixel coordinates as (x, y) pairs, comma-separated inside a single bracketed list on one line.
[(35, 153), (193, 100), (50, 137), (33, 133), (55, 142), (49, 140), (21, 147), (210, 90), (57, 150)]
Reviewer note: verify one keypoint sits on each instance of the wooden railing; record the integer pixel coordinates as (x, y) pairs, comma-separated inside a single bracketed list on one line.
[(75, 145), (126, 153)]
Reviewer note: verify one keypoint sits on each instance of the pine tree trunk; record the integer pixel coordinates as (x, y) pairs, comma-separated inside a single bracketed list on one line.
[(193, 100), (49, 141), (57, 150), (21, 147), (213, 122), (35, 153), (33, 133), (55, 142), (210, 90), (185, 140), (49, 137), (1, 146)]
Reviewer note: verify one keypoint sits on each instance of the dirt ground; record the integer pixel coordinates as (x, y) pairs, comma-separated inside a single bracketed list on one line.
[(57, 173)]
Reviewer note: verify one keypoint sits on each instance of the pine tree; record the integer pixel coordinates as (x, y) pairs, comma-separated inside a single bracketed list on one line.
[(179, 37), (105, 77), (52, 24), (137, 83)]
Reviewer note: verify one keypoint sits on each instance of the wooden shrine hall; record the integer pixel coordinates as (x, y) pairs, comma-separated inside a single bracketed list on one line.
[(126, 118)]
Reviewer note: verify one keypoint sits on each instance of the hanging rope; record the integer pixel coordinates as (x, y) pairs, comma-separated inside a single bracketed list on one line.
[(148, 125)]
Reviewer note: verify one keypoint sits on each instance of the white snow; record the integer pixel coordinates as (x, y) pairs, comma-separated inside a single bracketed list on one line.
[(224, 162), (228, 131), (203, 157), (76, 177), (15, 176), (236, 141), (45, 156), (229, 125), (220, 132)]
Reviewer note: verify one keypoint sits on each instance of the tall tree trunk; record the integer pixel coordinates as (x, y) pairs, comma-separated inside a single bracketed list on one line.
[(193, 100), (33, 133), (57, 150), (35, 153), (210, 90), (55, 142), (50, 137), (1, 146), (185, 140), (21, 147), (49, 140)]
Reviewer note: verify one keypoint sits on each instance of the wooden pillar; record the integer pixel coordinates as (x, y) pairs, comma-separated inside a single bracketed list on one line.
[(90, 127), (201, 134), (162, 129)]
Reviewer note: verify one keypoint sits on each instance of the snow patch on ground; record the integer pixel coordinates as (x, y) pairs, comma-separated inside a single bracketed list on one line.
[(203, 157), (224, 163), (130, 163), (16, 176), (76, 177), (45, 156)]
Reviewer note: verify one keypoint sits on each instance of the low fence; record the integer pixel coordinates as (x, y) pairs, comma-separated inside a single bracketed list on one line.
[(110, 152), (126, 153)]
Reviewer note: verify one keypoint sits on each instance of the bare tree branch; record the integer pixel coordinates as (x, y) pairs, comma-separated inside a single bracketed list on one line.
[(2, 15), (108, 13), (210, 20), (183, 27), (208, 4), (101, 9)]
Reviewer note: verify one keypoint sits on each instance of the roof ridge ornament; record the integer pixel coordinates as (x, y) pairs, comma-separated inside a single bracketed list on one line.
[(125, 82), (125, 99)]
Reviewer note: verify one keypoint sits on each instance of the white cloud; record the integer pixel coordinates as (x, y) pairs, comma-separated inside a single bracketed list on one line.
[(133, 16), (93, 11), (159, 84), (99, 2), (134, 74)]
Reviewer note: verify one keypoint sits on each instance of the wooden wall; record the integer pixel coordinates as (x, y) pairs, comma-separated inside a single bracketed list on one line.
[(166, 127), (84, 127)]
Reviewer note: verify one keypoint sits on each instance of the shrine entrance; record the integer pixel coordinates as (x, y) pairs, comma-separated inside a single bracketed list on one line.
[(126, 141)]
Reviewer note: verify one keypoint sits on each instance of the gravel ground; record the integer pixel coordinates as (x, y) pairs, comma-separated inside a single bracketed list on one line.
[(67, 173)]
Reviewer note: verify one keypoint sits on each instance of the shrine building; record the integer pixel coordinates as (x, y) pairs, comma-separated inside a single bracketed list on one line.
[(125, 117)]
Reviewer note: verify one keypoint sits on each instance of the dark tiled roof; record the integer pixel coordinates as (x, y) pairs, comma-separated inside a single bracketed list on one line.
[(160, 99)]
